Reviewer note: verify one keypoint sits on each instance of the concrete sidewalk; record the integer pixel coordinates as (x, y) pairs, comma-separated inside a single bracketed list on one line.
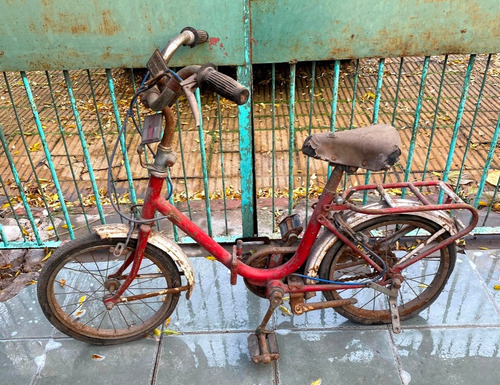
[(455, 341)]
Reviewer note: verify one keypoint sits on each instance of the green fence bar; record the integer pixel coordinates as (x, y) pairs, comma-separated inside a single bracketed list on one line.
[(13, 211), (222, 170), (83, 142), (123, 145), (63, 139), (376, 107), (4, 238), (26, 147), (458, 121), (48, 156), (398, 87), (183, 163), (204, 165), (487, 165), (335, 94), (354, 92), (413, 140), (291, 136), (490, 206), (309, 131), (247, 169), (434, 120), (273, 141), (473, 123), (103, 136), (20, 188)]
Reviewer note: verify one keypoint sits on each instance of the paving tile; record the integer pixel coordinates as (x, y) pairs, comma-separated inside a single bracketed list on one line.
[(21, 317), (450, 356), (487, 265), (210, 358), (17, 361), (72, 363), (464, 301), (217, 305), (353, 357)]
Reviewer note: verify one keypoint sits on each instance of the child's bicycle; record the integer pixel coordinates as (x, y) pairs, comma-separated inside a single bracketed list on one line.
[(375, 264)]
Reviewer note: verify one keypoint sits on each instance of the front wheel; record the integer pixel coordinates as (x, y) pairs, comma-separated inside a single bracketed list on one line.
[(391, 237), (75, 280)]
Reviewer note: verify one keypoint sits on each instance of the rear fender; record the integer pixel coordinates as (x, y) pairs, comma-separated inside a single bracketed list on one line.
[(156, 239), (326, 240)]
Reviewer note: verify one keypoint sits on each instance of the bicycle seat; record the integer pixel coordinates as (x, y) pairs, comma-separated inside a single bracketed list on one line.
[(373, 147)]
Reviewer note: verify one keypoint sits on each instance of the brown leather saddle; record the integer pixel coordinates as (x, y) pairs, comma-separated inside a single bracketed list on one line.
[(374, 148)]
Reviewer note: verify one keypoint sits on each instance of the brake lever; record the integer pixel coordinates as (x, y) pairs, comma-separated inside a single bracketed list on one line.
[(188, 86)]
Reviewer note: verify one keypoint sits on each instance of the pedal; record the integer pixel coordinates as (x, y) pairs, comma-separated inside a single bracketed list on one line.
[(263, 347)]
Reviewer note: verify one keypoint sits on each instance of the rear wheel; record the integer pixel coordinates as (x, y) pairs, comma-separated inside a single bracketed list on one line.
[(75, 280), (391, 238)]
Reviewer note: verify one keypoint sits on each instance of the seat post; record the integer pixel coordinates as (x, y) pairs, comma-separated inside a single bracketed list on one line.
[(334, 179)]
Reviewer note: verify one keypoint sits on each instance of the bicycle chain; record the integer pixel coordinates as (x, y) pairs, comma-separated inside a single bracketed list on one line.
[(357, 277)]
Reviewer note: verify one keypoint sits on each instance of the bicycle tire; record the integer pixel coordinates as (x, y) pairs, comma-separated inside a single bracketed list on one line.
[(416, 293), (73, 283)]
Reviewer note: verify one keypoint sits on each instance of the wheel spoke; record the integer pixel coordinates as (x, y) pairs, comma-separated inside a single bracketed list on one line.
[(81, 268), (391, 237)]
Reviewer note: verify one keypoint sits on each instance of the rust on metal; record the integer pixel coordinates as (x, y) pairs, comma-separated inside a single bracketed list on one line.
[(173, 290)]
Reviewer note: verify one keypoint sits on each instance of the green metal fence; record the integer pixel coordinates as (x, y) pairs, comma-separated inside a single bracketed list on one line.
[(243, 168)]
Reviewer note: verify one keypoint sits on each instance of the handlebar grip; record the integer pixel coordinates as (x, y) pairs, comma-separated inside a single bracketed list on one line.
[(223, 84), (200, 36)]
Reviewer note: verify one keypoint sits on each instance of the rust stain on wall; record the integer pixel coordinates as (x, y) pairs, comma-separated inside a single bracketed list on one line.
[(108, 26)]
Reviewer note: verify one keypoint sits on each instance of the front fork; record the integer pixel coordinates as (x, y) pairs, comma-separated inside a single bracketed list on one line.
[(135, 258)]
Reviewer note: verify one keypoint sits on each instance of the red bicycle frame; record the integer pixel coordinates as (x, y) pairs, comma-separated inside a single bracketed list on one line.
[(154, 202)]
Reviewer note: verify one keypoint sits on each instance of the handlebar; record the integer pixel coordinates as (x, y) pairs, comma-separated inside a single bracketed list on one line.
[(160, 93), (164, 94)]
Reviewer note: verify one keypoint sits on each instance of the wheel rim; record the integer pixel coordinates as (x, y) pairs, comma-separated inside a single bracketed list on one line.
[(77, 287), (391, 239)]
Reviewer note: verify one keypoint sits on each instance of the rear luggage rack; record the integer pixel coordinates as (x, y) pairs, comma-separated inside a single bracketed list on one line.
[(447, 201)]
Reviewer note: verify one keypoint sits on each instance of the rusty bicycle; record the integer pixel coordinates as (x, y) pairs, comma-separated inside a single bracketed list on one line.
[(374, 264)]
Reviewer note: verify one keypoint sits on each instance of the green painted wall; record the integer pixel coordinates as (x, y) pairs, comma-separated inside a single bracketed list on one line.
[(57, 34)]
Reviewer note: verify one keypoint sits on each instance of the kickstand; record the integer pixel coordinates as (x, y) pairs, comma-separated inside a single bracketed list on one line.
[(392, 295), (263, 344)]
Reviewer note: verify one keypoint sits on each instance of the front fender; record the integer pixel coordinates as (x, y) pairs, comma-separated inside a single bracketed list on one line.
[(120, 230), (326, 240)]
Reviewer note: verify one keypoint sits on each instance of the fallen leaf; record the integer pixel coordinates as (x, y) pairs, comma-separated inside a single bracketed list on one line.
[(317, 382), (36, 147), (82, 300), (493, 176), (97, 357), (47, 257), (210, 258), (169, 332), (285, 310)]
